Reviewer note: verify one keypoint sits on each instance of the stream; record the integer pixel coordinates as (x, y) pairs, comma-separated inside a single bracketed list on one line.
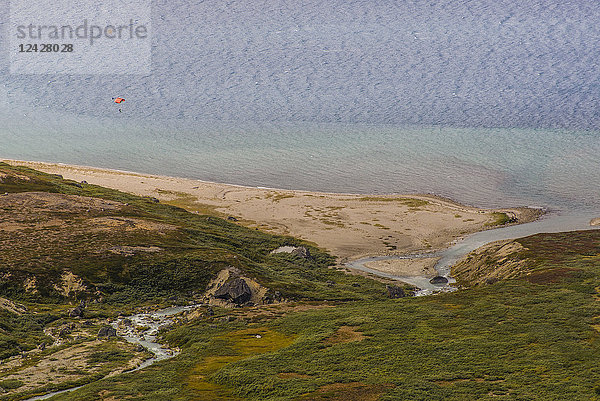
[(549, 223), (127, 328)]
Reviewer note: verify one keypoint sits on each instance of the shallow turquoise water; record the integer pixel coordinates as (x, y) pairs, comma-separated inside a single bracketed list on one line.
[(480, 166)]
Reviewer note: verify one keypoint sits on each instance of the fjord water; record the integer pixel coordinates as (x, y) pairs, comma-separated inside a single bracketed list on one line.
[(484, 167), (359, 96)]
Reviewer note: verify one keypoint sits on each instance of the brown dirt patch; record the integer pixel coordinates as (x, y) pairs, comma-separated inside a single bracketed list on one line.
[(354, 391), (127, 224), (345, 334), (12, 177), (51, 202), (41, 210), (499, 260), (550, 276)]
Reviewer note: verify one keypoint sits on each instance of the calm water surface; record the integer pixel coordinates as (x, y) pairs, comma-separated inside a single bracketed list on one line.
[(346, 96)]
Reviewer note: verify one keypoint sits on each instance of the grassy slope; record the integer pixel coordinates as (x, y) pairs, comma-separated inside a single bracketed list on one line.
[(192, 253), (523, 339), (530, 338), (201, 246)]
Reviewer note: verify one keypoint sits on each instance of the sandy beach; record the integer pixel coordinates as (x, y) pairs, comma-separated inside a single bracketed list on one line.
[(348, 225), (406, 267)]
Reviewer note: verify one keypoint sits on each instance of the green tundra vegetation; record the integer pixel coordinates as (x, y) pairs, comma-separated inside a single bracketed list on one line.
[(534, 336), (63, 242)]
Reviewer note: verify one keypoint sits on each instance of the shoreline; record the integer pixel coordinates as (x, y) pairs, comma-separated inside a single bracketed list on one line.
[(349, 226), (440, 198)]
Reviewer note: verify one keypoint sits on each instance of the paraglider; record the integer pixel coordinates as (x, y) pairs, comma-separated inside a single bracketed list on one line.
[(118, 100)]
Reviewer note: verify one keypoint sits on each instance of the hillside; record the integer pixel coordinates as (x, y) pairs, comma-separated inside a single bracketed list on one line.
[(532, 337), (64, 244), (538, 258), (524, 325)]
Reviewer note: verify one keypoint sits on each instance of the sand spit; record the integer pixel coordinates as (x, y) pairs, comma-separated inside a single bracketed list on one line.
[(348, 225)]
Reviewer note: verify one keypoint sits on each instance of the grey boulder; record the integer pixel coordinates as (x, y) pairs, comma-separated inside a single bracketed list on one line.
[(236, 291)]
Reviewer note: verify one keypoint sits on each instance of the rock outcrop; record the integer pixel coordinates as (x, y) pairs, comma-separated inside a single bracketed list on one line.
[(77, 311), (64, 332), (299, 251), (235, 290), (272, 297), (302, 252), (439, 280), (393, 291), (230, 288), (107, 332)]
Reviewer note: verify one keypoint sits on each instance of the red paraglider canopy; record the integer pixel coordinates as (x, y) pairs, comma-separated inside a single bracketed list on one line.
[(119, 100)]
